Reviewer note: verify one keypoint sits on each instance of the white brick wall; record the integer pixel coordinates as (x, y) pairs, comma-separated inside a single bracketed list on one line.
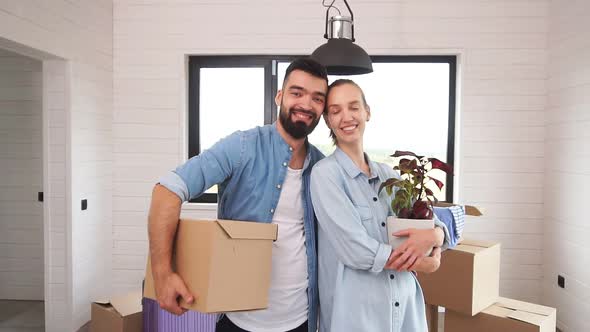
[(503, 56), (567, 171), (21, 215), (80, 129)]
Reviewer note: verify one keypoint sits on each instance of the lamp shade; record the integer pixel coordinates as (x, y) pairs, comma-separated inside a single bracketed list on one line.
[(341, 56)]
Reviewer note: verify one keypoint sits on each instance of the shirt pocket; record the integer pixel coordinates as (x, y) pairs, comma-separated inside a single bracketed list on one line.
[(364, 212)]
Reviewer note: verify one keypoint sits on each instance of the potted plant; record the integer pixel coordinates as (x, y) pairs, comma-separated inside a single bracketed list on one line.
[(413, 200)]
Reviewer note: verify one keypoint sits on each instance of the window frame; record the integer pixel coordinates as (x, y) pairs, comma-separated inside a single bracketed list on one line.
[(269, 63)]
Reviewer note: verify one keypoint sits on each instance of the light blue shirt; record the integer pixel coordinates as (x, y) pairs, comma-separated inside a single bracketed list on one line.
[(250, 168), (356, 292)]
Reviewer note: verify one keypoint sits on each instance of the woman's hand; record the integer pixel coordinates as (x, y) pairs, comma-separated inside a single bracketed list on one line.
[(419, 242), (428, 264)]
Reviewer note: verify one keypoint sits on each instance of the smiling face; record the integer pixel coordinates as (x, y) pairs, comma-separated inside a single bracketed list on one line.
[(346, 114), (301, 103)]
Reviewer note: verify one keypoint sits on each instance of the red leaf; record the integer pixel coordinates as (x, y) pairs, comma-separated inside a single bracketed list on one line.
[(398, 153), (440, 165), (407, 165), (439, 183)]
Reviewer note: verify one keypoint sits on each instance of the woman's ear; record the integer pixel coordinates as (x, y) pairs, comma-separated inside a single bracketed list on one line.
[(368, 112)]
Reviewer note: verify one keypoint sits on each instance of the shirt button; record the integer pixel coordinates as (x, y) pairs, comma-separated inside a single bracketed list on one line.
[(397, 304), (374, 199), (383, 224), (272, 210), (290, 149), (391, 276), (284, 164), (278, 186)]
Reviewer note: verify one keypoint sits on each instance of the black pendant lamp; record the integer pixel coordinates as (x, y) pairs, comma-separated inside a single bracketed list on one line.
[(340, 55)]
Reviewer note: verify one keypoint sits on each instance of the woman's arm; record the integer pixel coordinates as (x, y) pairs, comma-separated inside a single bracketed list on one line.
[(428, 264), (419, 242), (340, 221)]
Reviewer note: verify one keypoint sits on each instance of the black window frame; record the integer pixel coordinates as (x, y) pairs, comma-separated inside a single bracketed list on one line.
[(269, 63)]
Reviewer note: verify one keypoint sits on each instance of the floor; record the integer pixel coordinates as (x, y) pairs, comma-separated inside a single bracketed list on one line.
[(29, 316), (22, 316)]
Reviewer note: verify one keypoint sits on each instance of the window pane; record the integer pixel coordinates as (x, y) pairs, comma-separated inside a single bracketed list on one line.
[(220, 114), (230, 99), (409, 111)]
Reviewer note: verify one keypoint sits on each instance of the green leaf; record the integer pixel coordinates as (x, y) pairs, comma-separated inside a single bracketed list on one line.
[(389, 183)]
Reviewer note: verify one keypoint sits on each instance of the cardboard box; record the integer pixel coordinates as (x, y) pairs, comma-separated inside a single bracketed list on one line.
[(225, 264), (468, 279), (119, 314), (503, 316)]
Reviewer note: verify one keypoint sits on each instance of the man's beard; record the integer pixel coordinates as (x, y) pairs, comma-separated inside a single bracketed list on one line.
[(297, 129)]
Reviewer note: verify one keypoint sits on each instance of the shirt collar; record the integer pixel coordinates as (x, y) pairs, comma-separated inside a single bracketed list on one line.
[(351, 168), (285, 147)]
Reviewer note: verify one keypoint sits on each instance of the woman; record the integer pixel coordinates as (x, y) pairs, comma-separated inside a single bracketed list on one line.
[(364, 284)]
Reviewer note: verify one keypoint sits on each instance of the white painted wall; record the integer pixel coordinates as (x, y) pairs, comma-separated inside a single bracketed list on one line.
[(75, 40), (503, 57), (567, 171), (21, 215)]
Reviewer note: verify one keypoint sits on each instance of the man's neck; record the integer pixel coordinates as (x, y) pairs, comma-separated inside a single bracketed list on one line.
[(298, 146)]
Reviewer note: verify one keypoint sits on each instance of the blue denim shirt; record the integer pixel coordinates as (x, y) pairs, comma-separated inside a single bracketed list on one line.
[(250, 168), (356, 292)]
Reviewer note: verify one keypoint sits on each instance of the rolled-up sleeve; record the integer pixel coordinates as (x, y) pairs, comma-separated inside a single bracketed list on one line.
[(447, 241), (175, 184), (341, 222)]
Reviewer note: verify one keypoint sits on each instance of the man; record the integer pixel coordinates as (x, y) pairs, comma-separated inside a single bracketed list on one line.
[(263, 176)]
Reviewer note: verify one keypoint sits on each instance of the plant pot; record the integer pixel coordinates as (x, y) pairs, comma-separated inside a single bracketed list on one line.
[(395, 224)]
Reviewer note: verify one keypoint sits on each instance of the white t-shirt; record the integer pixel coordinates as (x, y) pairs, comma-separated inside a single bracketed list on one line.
[(287, 300)]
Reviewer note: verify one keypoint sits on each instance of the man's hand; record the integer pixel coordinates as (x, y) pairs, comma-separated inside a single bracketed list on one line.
[(419, 242), (428, 264), (168, 290)]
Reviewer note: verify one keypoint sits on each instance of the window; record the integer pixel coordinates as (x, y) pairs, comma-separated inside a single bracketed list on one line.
[(400, 89)]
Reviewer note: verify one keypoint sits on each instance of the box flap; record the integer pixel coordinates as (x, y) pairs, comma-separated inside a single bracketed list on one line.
[(522, 311), (470, 210), (528, 317), (477, 243), (127, 304), (249, 230), (525, 306)]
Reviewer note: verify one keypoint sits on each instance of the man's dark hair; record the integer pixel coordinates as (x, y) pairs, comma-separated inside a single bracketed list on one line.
[(309, 66)]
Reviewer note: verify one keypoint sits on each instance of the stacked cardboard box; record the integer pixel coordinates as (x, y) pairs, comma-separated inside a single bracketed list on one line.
[(467, 285)]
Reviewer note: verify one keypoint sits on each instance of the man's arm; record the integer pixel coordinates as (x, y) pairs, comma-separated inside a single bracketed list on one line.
[(162, 223)]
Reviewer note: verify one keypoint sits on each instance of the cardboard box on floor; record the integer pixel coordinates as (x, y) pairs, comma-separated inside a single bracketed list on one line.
[(503, 316), (119, 314), (468, 279), (226, 264)]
